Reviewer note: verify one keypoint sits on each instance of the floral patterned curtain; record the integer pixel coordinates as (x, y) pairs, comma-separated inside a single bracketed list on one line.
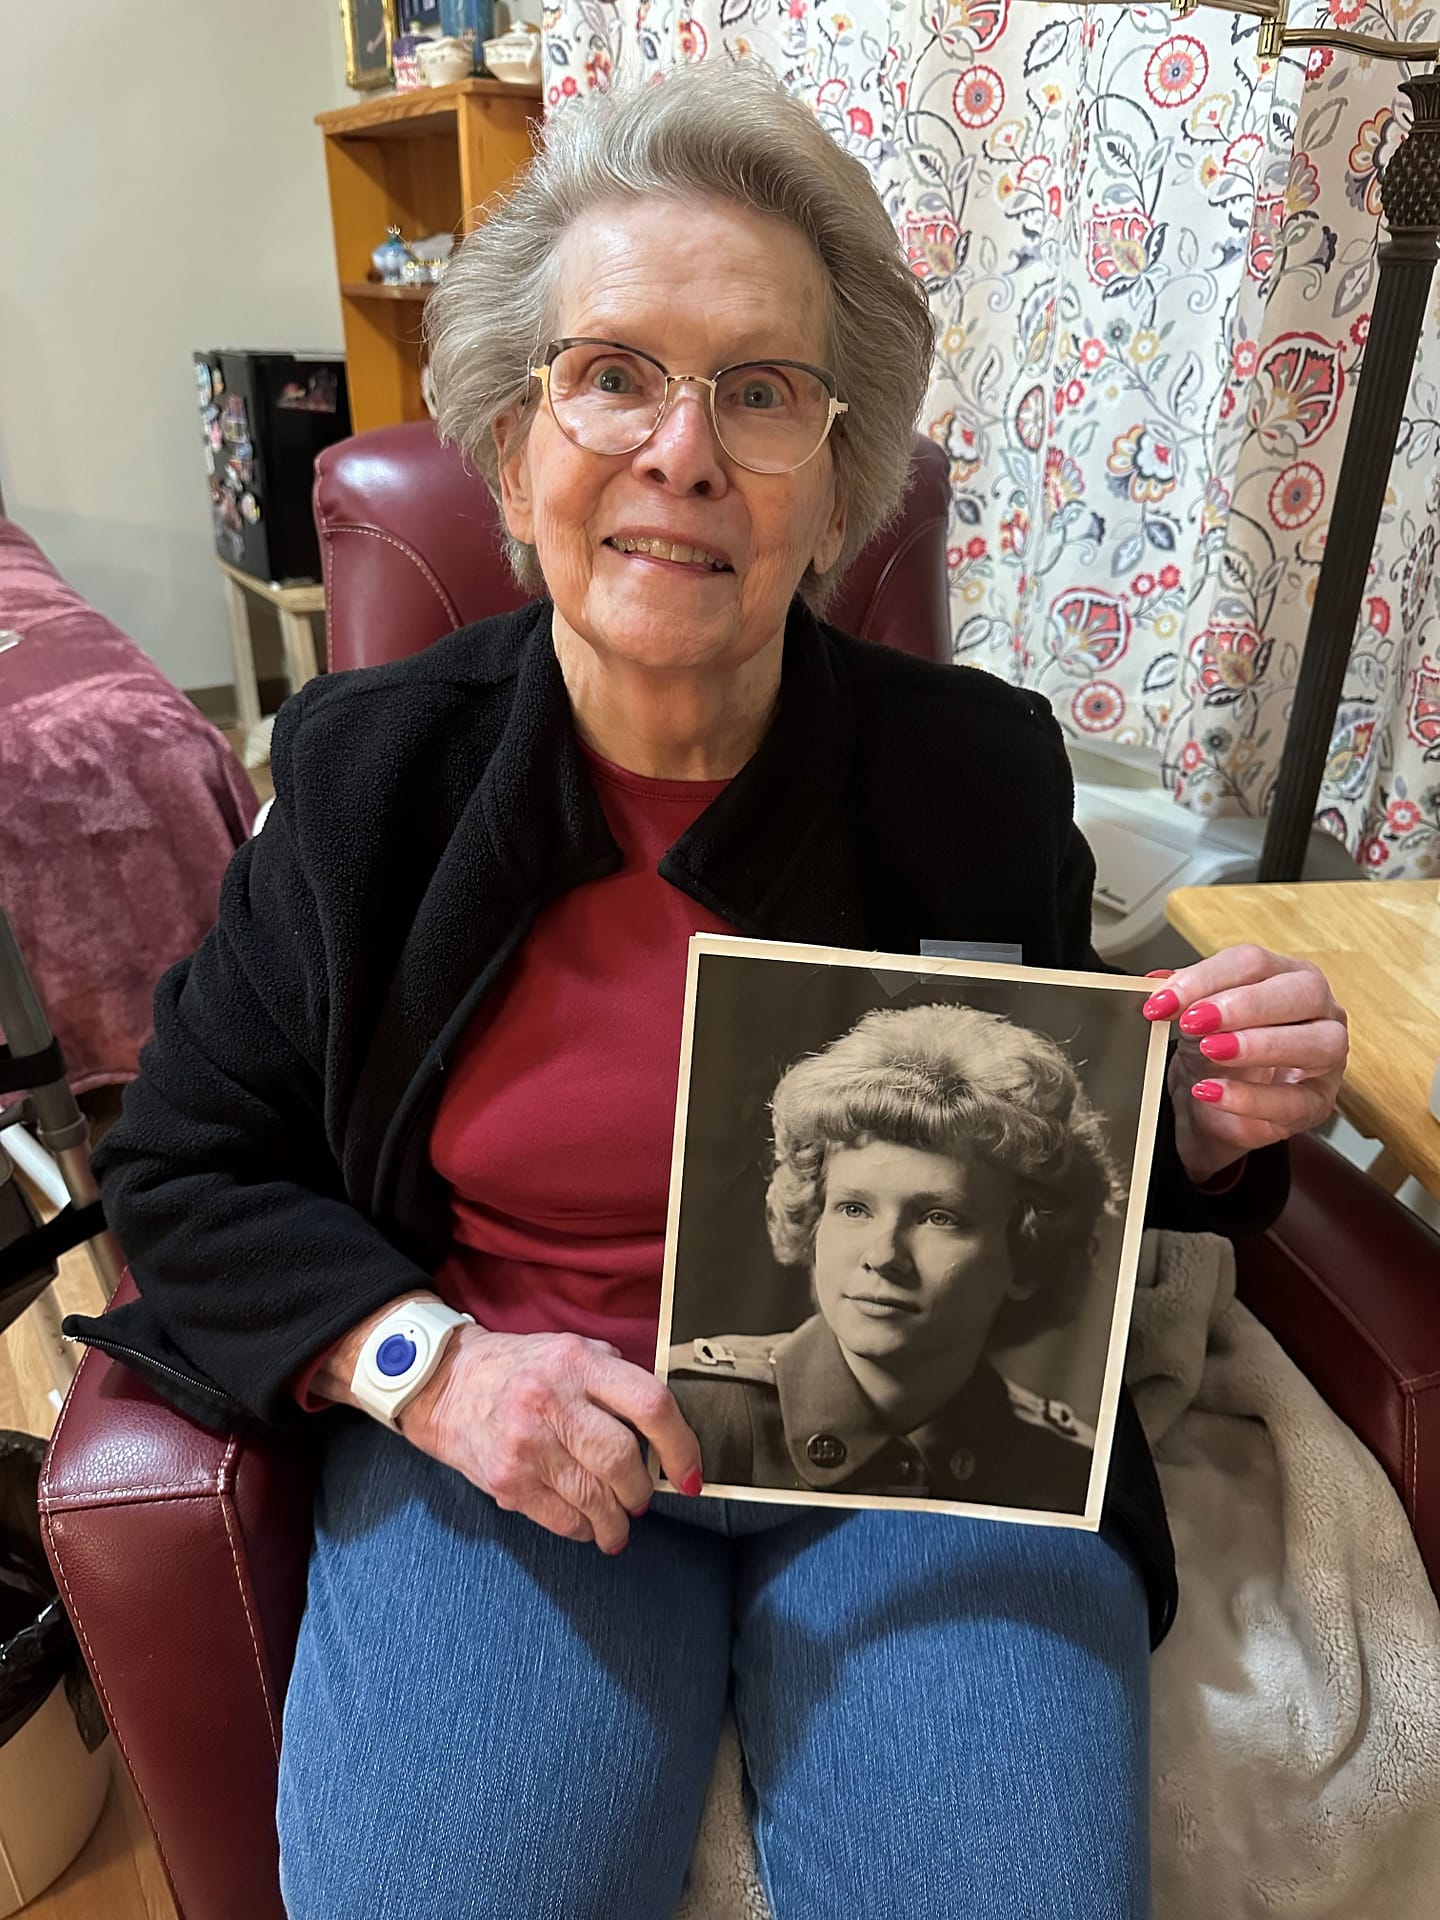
[(1151, 259)]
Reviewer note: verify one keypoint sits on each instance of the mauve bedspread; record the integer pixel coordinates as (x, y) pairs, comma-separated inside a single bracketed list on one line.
[(120, 806)]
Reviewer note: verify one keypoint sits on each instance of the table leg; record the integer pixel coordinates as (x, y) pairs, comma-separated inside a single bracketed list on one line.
[(247, 687), (1388, 1170), (298, 637)]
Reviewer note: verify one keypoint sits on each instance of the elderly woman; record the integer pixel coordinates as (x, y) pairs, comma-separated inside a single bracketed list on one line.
[(942, 1176), (401, 1143)]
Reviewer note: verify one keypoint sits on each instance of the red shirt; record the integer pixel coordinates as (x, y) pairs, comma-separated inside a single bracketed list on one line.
[(556, 1126)]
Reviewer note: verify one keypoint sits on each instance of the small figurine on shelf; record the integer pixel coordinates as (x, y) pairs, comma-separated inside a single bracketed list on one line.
[(472, 21), (390, 257), (404, 263), (409, 77)]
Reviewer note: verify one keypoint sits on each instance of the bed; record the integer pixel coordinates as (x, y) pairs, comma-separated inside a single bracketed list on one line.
[(120, 806)]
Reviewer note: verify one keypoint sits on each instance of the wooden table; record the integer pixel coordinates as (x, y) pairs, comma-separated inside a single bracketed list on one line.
[(1378, 943), (296, 606)]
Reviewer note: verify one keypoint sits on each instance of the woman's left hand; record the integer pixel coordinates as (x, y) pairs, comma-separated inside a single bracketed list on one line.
[(1262, 1050)]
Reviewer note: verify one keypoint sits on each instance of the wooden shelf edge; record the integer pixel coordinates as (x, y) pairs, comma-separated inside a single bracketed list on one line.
[(384, 110), (377, 290)]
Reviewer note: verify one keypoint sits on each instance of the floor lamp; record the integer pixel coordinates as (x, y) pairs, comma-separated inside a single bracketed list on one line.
[(1410, 194)]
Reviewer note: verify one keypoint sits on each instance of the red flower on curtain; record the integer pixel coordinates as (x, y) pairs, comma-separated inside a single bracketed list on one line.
[(1348, 764), (1423, 715), (1146, 461), (934, 248), (1296, 495), (1030, 419), (1119, 245), (979, 95), (1419, 575), (1088, 629), (962, 449), (1176, 71), (1376, 140), (693, 40), (1098, 707), (1297, 390), (1265, 226), (1302, 184), (985, 21), (1230, 659), (1064, 481)]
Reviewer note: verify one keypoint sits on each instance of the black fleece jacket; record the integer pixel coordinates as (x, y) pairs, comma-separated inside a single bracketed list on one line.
[(269, 1178)]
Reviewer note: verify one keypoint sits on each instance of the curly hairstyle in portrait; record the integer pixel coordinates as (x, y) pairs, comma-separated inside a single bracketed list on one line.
[(943, 1077)]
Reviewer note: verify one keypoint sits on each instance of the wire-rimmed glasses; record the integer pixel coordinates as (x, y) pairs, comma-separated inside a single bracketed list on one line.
[(768, 415)]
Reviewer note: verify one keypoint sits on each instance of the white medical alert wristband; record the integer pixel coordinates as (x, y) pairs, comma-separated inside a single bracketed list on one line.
[(400, 1354)]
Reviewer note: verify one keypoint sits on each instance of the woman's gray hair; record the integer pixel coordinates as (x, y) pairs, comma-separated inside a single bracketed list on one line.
[(943, 1077), (721, 131)]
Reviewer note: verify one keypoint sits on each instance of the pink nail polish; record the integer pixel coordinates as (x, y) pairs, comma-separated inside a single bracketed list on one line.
[(612, 1551), (1207, 1090), (692, 1483), (1220, 1046), (1158, 973), (1160, 1006), (1203, 1017)]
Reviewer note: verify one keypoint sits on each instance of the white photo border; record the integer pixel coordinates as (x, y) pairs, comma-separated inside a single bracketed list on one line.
[(1138, 1163)]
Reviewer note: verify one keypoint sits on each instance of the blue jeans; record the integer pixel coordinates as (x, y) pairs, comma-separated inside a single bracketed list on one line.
[(939, 1717)]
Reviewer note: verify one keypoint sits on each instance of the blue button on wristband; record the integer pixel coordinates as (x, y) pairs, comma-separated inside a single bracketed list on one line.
[(396, 1355)]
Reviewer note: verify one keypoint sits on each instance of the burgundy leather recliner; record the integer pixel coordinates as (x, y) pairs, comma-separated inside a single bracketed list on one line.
[(181, 1553)]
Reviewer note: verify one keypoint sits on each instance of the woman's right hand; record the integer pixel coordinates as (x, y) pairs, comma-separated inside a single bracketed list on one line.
[(542, 1423)]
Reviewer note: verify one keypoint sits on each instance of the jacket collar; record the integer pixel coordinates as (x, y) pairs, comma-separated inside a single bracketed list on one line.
[(770, 855), (820, 1399)]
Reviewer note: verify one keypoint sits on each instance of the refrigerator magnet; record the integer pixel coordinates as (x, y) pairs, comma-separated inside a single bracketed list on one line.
[(250, 507)]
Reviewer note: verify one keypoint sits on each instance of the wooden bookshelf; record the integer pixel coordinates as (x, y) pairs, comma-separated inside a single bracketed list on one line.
[(426, 162)]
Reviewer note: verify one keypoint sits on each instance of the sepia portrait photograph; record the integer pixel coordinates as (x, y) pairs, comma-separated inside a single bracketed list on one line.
[(905, 1214)]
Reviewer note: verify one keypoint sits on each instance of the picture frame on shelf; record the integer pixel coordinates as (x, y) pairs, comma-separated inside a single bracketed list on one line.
[(369, 29)]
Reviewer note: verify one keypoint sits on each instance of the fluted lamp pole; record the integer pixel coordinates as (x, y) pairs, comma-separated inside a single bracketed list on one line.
[(1410, 194)]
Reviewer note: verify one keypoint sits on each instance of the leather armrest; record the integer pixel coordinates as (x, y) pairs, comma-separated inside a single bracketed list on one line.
[(1348, 1281), (182, 1555)]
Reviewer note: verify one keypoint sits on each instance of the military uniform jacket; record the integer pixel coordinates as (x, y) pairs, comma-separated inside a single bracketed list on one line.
[(784, 1410), (270, 1178)]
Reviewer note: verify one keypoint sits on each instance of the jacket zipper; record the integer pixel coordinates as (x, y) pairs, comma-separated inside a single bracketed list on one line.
[(117, 1350)]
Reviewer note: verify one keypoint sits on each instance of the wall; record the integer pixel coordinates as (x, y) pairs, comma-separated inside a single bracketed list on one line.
[(166, 194)]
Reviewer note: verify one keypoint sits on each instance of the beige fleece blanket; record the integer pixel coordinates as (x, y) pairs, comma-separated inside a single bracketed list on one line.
[(1295, 1720)]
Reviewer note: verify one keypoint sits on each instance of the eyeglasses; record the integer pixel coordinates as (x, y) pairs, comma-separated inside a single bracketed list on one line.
[(768, 415)]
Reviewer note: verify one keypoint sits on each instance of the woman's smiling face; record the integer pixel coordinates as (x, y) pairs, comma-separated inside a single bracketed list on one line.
[(912, 1252), (698, 286)]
